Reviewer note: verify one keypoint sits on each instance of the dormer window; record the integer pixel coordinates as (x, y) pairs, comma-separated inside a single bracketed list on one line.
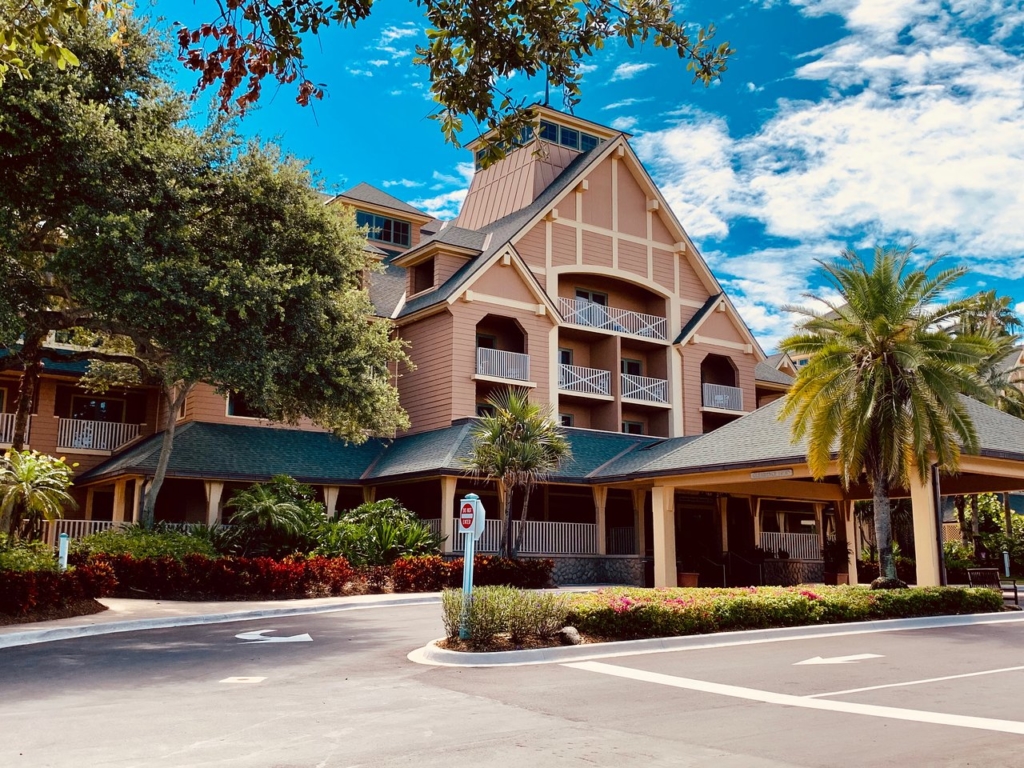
[(567, 137), (423, 276), (383, 229)]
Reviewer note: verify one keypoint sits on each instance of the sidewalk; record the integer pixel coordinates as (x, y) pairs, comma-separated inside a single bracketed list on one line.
[(123, 615)]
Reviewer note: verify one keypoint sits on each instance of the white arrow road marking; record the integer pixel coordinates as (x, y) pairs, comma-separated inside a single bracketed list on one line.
[(803, 702), (243, 679), (840, 659), (257, 637)]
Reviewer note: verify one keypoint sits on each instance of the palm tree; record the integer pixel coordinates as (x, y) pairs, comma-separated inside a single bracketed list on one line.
[(33, 487), (264, 522), (991, 317), (881, 390), (516, 446)]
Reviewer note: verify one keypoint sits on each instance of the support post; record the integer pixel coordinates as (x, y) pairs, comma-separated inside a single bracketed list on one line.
[(448, 513), (1007, 514), (331, 500), (639, 497), (369, 494), (723, 510), (600, 501), (214, 490), (89, 496), (755, 509), (663, 512), (926, 532), (140, 484), (850, 522), (120, 486)]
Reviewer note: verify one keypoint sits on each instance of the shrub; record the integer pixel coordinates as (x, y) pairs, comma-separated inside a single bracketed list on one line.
[(641, 613), (142, 542), (433, 573), (197, 576), (504, 610), (24, 591), (275, 518), (25, 556), (376, 534)]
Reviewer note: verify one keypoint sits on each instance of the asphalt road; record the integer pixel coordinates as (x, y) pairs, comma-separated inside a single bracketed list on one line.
[(199, 696)]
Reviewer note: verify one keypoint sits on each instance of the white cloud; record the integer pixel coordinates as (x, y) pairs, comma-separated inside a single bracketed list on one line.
[(624, 123), (626, 103), (392, 33), (586, 69), (1019, 309), (628, 71), (446, 205), (402, 183), (360, 72), (379, 62)]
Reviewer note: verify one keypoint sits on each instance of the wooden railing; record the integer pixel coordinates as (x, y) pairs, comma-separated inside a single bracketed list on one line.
[(590, 381), (585, 312), (86, 435), (622, 541), (75, 529), (490, 542), (644, 388), (800, 546), (502, 365), (7, 428), (539, 538), (721, 396)]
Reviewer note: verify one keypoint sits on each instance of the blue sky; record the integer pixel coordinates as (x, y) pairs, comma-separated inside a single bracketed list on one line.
[(840, 123)]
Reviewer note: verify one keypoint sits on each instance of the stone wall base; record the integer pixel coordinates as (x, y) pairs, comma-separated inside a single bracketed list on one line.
[(574, 570), (787, 573)]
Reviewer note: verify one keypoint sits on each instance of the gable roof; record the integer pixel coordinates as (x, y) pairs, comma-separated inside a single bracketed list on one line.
[(365, 193), (771, 375), (698, 318), (387, 288)]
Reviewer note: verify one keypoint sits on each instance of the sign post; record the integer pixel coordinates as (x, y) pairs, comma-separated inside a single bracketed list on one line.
[(472, 518)]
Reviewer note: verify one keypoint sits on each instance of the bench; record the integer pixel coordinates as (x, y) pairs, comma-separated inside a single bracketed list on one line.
[(989, 577)]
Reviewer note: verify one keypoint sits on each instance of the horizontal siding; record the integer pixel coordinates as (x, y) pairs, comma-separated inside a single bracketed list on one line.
[(597, 200), (204, 404), (664, 269), (532, 246), (505, 282), (597, 249), (632, 204), (446, 265), (426, 392), (633, 258), (563, 245)]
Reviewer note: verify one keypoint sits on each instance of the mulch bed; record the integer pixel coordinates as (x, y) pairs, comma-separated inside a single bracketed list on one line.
[(72, 609), (504, 643)]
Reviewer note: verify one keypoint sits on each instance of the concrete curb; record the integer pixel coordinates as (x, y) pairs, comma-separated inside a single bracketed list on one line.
[(32, 637), (432, 655)]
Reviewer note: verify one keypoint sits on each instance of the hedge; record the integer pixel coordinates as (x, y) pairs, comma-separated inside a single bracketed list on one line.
[(433, 573), (196, 577), (626, 614), (24, 591)]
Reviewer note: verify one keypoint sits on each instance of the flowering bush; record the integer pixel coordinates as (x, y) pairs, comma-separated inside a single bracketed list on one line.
[(25, 591), (626, 613)]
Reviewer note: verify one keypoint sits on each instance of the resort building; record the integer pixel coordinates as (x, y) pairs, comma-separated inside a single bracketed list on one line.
[(565, 273)]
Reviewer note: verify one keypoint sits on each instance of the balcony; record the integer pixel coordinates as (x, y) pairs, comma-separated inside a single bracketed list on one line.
[(83, 435), (644, 388), (499, 364), (592, 315), (723, 397), (584, 381), (7, 428)]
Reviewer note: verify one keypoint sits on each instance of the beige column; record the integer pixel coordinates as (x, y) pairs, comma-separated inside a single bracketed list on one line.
[(120, 486), (331, 500), (675, 388), (140, 484), (723, 511), (755, 510), (925, 531), (214, 490), (639, 497), (663, 512), (89, 493), (845, 509), (600, 501), (448, 512), (369, 494), (819, 524)]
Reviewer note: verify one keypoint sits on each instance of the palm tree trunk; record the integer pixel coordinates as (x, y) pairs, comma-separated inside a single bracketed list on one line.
[(172, 401), (975, 525), (883, 526), (527, 490), (507, 544), (960, 502)]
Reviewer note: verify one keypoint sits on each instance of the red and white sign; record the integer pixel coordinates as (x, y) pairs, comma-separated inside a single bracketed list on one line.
[(466, 517)]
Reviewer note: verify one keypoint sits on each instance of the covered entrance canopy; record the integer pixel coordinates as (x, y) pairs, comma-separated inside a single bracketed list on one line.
[(755, 457)]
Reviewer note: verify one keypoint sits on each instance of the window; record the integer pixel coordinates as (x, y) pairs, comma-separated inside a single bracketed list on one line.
[(565, 356), (588, 142), (423, 276), (569, 138), (592, 296), (239, 408), (486, 341), (384, 229), (181, 410), (484, 409), (548, 131), (110, 409), (633, 427), (565, 419), (632, 367)]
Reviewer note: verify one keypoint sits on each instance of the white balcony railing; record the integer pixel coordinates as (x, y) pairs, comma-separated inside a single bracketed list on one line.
[(80, 434), (7, 428), (539, 538), (644, 388), (585, 312), (75, 529), (590, 381), (800, 546), (490, 542), (720, 396), (502, 365)]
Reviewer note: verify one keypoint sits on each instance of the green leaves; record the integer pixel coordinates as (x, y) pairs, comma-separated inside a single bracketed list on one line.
[(33, 488)]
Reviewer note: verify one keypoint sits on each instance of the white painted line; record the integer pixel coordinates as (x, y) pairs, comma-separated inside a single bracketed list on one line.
[(242, 680), (840, 659), (916, 682), (768, 697)]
